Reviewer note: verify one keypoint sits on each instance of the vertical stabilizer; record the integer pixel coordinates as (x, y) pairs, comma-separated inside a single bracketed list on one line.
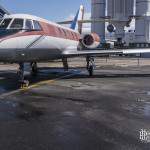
[(76, 23)]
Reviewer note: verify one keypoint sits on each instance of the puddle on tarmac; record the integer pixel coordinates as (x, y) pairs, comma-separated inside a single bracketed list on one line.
[(10, 110), (69, 113), (148, 93), (147, 109), (82, 86), (28, 111), (60, 71), (2, 90), (7, 110), (146, 104)]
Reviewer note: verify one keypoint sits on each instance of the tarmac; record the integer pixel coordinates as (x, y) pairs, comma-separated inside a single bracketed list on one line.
[(71, 111)]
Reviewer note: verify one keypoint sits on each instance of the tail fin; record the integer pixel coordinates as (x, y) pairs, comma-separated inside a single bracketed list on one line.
[(79, 17)]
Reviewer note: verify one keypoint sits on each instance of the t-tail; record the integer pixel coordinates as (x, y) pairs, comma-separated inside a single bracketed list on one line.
[(77, 21)]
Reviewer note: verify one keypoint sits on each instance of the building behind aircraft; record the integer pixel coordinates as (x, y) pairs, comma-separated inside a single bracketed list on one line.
[(120, 14)]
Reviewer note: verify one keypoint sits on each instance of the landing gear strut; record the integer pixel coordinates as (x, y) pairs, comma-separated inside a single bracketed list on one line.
[(65, 63), (22, 81), (34, 68), (90, 65)]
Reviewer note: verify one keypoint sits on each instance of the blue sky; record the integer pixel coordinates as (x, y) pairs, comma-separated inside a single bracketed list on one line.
[(54, 10)]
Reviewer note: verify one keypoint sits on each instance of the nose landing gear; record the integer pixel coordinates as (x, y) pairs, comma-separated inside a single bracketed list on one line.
[(34, 68), (90, 65), (23, 83)]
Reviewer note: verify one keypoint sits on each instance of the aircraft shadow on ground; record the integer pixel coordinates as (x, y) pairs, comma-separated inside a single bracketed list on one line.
[(9, 79), (111, 76)]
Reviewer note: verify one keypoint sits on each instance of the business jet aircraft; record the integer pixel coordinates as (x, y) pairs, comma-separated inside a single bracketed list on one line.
[(30, 39)]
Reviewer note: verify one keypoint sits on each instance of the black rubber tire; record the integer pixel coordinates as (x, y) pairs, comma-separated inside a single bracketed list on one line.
[(91, 69), (34, 69)]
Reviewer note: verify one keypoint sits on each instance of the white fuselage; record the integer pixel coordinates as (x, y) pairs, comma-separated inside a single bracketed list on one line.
[(41, 44)]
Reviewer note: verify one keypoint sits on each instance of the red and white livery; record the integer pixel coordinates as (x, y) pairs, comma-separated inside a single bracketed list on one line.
[(30, 39)]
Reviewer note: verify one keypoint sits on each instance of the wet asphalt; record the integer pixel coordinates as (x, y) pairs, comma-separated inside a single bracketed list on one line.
[(70, 111)]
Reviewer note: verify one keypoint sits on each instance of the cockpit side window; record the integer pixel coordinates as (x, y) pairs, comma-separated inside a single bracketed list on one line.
[(28, 24), (37, 25), (4, 24), (17, 24)]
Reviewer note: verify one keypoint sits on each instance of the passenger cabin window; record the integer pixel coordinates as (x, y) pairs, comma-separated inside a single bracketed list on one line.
[(59, 30), (76, 35), (73, 35), (4, 24), (37, 25), (64, 31), (17, 24), (28, 25)]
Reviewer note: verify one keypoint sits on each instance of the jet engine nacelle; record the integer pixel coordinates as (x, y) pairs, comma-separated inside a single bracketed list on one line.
[(90, 40)]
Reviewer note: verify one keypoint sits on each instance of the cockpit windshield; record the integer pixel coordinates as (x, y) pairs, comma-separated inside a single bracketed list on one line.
[(5, 23), (17, 24), (9, 27)]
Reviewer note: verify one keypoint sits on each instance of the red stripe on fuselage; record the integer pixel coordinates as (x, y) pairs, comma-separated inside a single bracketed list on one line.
[(48, 30), (59, 32)]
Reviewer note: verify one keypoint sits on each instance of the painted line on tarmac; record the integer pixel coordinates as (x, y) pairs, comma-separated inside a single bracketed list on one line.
[(2, 96), (47, 82)]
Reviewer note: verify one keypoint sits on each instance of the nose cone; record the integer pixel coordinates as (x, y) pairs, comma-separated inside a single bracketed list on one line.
[(5, 36)]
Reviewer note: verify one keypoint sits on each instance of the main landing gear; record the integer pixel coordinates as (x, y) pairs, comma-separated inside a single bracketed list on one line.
[(90, 65), (65, 63)]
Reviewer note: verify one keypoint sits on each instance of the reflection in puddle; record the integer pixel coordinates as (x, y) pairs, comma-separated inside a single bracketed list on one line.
[(83, 86), (148, 93), (2, 90), (60, 71), (9, 110), (28, 111), (69, 113), (147, 109)]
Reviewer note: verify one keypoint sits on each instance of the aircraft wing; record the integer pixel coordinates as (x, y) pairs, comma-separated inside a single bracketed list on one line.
[(101, 19), (3, 11), (75, 53), (84, 21)]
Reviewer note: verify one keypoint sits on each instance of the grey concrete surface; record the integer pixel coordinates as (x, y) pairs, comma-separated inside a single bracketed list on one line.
[(75, 112)]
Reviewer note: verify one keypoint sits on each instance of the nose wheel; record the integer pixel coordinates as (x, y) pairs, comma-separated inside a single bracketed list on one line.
[(23, 83), (90, 65), (91, 70), (34, 68)]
